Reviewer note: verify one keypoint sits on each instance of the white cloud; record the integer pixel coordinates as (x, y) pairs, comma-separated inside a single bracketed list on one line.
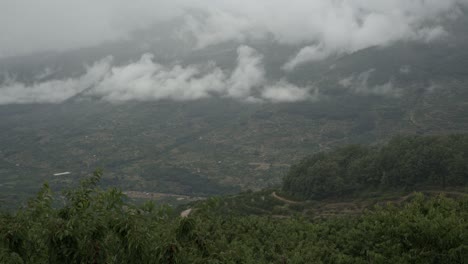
[(54, 91), (308, 54), (284, 92), (146, 80), (248, 74)]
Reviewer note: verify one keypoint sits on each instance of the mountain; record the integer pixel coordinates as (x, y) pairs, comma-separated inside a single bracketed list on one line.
[(218, 145)]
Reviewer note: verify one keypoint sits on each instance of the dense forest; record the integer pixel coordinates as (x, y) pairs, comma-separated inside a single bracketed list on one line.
[(89, 224), (410, 162)]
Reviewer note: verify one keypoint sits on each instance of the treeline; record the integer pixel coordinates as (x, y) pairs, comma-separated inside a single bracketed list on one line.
[(89, 225), (403, 163)]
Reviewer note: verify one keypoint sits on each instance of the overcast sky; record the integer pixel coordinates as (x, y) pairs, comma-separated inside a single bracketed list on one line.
[(318, 28), (323, 26)]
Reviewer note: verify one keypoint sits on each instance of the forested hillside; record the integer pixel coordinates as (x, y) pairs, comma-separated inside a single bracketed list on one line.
[(404, 163)]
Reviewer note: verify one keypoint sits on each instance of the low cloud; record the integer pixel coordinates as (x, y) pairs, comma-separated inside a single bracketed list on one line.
[(308, 54), (284, 92), (53, 91), (248, 74), (359, 84), (146, 80)]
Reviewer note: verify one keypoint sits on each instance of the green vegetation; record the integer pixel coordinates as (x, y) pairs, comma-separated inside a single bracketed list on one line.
[(404, 163), (90, 225)]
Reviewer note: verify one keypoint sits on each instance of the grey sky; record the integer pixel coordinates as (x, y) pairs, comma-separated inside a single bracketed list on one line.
[(323, 26), (318, 28), (28, 25)]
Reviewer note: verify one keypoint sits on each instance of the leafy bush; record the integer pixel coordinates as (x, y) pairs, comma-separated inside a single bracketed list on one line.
[(90, 225)]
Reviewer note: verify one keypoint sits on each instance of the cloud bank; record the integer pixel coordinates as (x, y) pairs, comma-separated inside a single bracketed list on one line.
[(53, 91), (321, 27), (146, 80)]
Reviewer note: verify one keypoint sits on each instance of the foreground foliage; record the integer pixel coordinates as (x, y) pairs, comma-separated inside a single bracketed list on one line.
[(405, 162), (90, 225)]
